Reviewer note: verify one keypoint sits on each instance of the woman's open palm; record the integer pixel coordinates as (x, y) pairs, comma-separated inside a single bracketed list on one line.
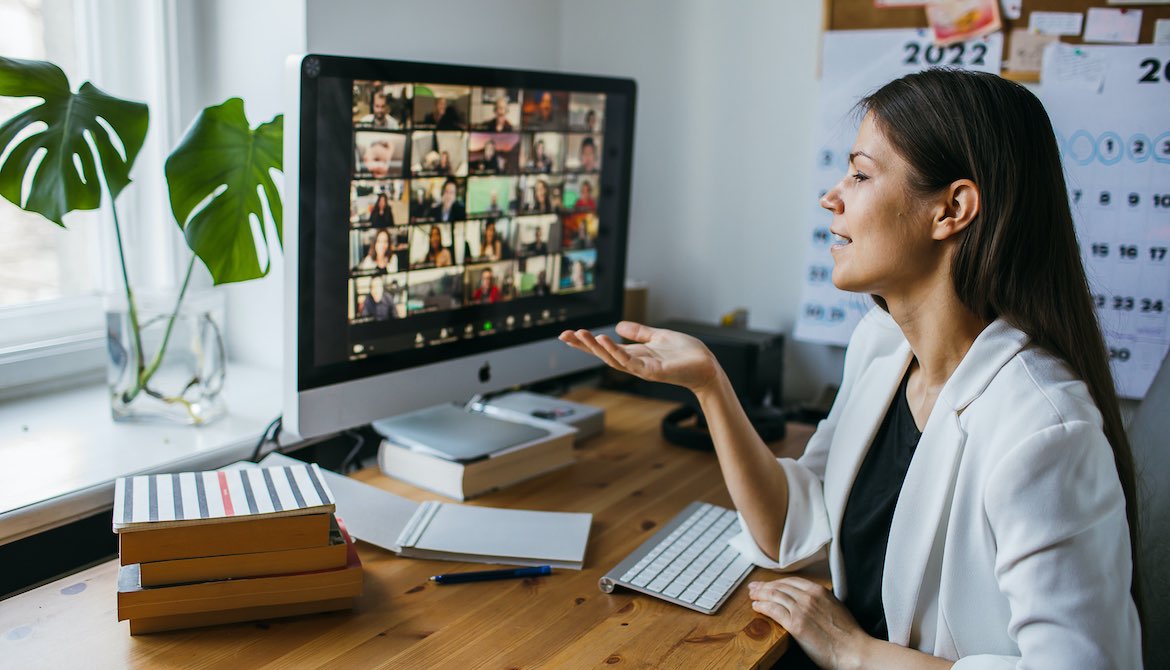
[(654, 354)]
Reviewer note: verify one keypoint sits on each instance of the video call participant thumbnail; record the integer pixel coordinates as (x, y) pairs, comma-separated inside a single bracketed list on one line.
[(377, 298), (381, 105), (433, 290), (544, 110), (536, 194), (580, 230), (581, 192), (438, 153), (430, 246), (441, 106), (495, 110), (437, 199), (586, 112), (534, 276), (542, 153), (378, 203), (378, 154), (377, 251), (494, 153), (490, 283), (537, 235), (487, 240), (583, 154), (492, 196), (384, 299), (577, 270)]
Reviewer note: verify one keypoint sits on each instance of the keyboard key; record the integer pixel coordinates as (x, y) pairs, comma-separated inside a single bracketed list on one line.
[(707, 601)]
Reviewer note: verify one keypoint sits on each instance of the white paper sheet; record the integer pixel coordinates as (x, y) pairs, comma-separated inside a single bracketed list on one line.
[(1056, 23), (1119, 26)]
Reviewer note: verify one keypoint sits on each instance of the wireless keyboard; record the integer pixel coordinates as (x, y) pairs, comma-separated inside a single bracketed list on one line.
[(687, 562)]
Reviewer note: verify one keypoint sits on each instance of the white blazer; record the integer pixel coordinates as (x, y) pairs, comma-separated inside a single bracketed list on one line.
[(1009, 546)]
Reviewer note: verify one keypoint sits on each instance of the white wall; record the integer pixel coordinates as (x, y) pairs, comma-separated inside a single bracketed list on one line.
[(721, 194), (726, 102), (237, 48), (508, 33)]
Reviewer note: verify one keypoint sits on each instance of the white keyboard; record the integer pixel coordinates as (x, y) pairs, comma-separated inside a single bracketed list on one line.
[(687, 562)]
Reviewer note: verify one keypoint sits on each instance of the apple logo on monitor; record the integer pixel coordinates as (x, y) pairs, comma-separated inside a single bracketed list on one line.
[(485, 373)]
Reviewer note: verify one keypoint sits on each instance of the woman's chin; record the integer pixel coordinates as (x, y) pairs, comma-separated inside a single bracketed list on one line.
[(840, 279), (844, 282)]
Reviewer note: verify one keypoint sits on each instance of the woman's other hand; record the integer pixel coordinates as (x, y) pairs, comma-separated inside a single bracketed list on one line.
[(819, 623), (655, 354)]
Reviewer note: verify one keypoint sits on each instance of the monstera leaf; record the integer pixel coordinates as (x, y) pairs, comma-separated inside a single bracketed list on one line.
[(66, 178), (213, 177)]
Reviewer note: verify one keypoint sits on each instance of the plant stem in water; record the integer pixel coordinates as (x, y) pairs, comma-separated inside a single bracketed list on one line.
[(144, 375), (131, 308)]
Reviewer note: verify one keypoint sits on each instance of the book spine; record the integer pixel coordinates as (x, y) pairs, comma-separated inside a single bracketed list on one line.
[(241, 537), (446, 478), (186, 570), (157, 624)]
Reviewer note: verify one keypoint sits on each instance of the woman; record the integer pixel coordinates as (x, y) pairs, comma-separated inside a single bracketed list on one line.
[(585, 201), (378, 258), (491, 247), (437, 255), (577, 275), (972, 484), (380, 213), (445, 169), (540, 199), (541, 161)]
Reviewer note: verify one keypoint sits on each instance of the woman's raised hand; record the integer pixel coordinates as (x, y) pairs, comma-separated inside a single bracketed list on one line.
[(655, 354)]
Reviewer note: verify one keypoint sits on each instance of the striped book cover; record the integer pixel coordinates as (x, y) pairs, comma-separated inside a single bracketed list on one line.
[(193, 498)]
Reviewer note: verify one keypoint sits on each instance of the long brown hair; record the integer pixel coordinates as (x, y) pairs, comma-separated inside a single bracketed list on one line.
[(1019, 259)]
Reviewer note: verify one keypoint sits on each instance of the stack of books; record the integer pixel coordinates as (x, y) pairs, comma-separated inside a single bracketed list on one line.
[(205, 548), (431, 467)]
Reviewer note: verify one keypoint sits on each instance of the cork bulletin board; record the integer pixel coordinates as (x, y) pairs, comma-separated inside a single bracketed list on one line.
[(863, 15)]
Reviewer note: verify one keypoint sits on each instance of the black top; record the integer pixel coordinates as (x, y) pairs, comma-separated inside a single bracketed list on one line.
[(865, 528)]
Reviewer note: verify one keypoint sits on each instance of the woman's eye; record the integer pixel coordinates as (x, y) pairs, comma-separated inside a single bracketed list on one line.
[(859, 176)]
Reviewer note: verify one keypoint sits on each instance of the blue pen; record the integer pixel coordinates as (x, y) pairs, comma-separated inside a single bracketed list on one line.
[(485, 575)]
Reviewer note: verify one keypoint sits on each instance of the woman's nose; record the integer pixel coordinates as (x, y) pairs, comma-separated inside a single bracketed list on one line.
[(831, 200)]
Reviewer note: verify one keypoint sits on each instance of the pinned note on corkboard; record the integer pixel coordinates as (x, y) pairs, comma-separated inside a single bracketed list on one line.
[(1021, 48)]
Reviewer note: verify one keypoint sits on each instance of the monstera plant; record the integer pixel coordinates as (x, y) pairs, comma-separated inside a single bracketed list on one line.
[(74, 148)]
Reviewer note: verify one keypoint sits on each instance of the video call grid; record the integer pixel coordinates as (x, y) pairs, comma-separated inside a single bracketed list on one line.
[(430, 229)]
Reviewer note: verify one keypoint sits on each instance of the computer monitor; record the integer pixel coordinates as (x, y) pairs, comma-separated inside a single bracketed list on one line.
[(445, 223)]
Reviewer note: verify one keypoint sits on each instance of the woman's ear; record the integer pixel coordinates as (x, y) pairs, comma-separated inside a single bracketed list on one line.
[(960, 205)]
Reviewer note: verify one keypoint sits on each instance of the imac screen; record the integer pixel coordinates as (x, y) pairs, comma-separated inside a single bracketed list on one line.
[(447, 210)]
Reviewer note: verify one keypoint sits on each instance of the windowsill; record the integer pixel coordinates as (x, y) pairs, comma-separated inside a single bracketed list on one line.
[(61, 452)]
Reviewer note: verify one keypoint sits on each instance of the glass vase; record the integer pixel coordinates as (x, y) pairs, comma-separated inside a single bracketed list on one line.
[(173, 370)]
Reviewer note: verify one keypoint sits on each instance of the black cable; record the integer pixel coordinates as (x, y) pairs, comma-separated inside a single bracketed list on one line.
[(348, 461), (270, 434)]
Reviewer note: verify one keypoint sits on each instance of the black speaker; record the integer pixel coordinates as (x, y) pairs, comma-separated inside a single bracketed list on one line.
[(753, 361)]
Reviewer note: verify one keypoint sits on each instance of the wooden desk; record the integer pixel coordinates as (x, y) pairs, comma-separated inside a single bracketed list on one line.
[(628, 478)]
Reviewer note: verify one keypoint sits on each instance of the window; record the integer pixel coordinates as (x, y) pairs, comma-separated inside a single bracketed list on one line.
[(40, 261), (52, 279)]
